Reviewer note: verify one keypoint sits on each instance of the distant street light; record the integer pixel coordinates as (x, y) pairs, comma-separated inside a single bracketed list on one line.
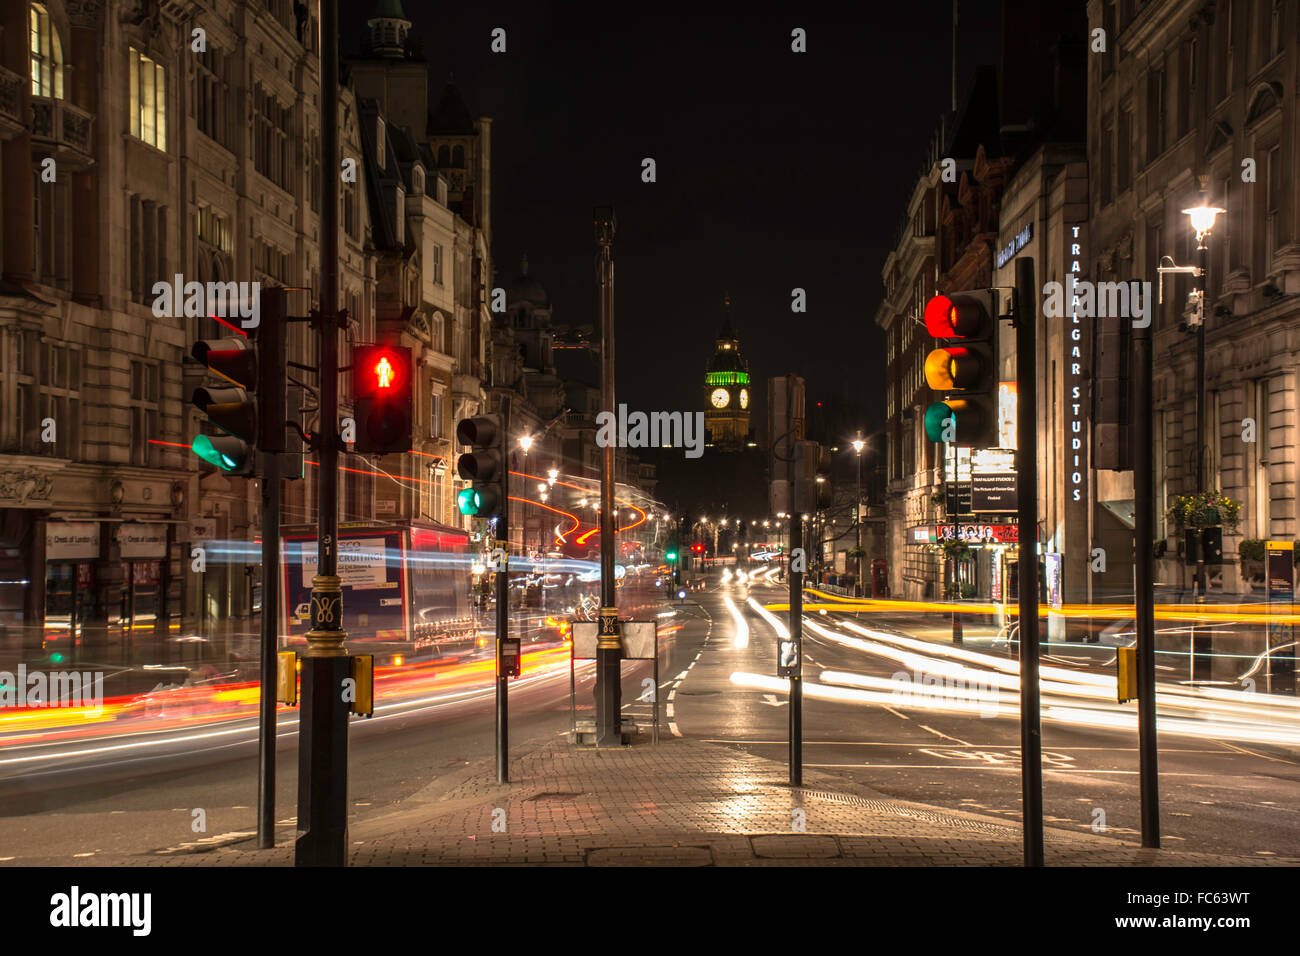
[(525, 442)]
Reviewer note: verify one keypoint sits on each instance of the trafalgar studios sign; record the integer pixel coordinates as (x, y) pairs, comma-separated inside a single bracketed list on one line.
[(1075, 362)]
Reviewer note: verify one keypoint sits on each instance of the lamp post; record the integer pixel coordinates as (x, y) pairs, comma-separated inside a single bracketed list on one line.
[(858, 445), (1202, 219)]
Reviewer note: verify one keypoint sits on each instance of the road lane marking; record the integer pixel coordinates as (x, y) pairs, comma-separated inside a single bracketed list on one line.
[(1243, 750), (897, 714), (672, 726), (943, 735)]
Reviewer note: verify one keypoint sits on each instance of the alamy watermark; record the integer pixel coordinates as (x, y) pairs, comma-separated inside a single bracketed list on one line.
[(52, 689), (1098, 300), (655, 430), (226, 300), (915, 686)]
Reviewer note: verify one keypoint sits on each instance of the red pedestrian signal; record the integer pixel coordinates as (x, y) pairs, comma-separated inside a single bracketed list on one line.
[(383, 398)]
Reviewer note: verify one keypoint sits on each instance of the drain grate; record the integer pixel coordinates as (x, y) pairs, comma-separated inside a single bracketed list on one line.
[(556, 795), (925, 816)]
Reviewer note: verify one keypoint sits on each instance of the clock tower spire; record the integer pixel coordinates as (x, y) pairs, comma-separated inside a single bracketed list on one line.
[(726, 388)]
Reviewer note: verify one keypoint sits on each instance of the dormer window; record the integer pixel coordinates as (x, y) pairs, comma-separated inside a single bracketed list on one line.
[(46, 54), (417, 180)]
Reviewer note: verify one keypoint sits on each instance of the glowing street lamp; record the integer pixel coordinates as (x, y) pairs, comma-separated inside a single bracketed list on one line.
[(525, 442), (1203, 217)]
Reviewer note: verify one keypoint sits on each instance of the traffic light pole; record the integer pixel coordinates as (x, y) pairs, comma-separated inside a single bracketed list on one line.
[(1144, 520), (272, 377), (1031, 739), (503, 604), (270, 644), (609, 691), (796, 635), (323, 712)]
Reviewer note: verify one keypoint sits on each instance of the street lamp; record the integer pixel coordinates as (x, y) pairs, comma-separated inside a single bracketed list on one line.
[(525, 442), (1202, 218), (858, 445)]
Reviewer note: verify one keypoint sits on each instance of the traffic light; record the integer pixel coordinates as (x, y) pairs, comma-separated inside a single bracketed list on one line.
[(698, 547), (231, 407), (249, 405), (484, 465), (812, 488), (382, 398), (962, 368)]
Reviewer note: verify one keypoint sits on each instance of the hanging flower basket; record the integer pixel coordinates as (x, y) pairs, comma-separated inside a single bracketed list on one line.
[(1207, 509)]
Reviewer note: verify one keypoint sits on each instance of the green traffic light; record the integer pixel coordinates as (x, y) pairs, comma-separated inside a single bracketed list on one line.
[(204, 447), (670, 556), (56, 658), (936, 419), (469, 502)]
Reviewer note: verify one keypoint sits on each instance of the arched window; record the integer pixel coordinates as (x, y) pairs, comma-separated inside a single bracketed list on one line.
[(46, 54), (444, 157), (417, 180), (458, 158)]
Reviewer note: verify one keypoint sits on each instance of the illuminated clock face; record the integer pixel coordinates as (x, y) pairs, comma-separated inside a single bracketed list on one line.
[(744, 398), (719, 397)]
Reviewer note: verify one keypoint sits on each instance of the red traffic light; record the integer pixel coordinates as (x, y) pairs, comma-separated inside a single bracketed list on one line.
[(383, 398), (960, 317), (697, 548), (386, 370)]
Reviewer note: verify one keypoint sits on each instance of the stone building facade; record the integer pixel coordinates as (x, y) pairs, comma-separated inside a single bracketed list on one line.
[(141, 141), (1192, 102)]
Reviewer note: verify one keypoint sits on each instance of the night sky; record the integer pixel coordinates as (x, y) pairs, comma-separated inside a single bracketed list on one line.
[(775, 170)]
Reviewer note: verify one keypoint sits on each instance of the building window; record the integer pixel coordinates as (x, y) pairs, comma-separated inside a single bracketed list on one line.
[(435, 416), (51, 401), (1124, 159), (1273, 204), (437, 265), (148, 100), (271, 125), (351, 216), (212, 96), (271, 261), (147, 253), (46, 54), (52, 232), (1108, 24), (1108, 161), (313, 166), (1156, 111), (214, 229)]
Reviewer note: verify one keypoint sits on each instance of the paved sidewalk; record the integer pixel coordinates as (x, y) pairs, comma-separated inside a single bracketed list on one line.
[(682, 803)]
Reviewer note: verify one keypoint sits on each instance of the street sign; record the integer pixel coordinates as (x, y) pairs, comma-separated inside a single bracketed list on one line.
[(1280, 570), (508, 657), (994, 493), (787, 664)]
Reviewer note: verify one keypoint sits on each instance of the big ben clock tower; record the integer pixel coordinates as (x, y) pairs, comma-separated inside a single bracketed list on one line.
[(727, 392)]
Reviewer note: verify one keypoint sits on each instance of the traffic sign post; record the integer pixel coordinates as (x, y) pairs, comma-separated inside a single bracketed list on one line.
[(1281, 658)]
